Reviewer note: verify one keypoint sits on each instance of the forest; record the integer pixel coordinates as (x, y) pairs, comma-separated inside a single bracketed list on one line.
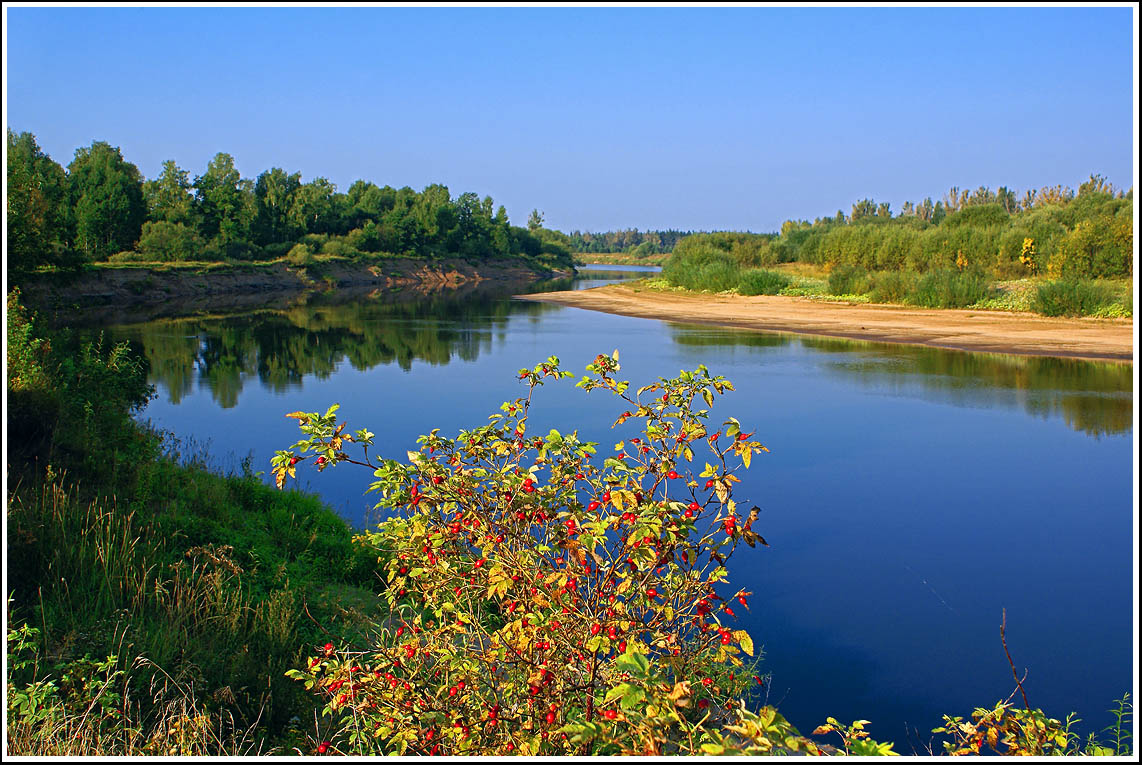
[(101, 209)]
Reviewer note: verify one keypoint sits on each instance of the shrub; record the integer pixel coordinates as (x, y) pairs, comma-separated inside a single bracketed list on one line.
[(129, 256), (544, 605), (168, 242), (948, 288), (67, 397), (702, 268), (758, 281), (978, 216), (300, 255), (848, 280), (891, 286), (1095, 249), (1071, 297), (339, 247)]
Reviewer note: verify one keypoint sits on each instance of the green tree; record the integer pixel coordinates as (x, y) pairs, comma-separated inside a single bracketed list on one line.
[(865, 208), (169, 197), (106, 193), (225, 202), (273, 197), (37, 205), (311, 206), (535, 220)]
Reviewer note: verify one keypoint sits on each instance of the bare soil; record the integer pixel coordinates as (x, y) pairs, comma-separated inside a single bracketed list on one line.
[(967, 330)]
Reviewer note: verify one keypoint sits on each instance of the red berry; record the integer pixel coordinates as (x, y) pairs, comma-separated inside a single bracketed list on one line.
[(578, 476), (606, 496), (672, 474), (437, 480), (730, 611), (710, 483), (595, 629), (741, 599), (652, 593), (292, 461), (320, 460), (610, 714), (323, 747), (550, 717), (593, 506), (328, 648)]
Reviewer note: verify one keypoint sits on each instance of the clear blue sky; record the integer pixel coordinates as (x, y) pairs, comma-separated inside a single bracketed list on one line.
[(603, 118)]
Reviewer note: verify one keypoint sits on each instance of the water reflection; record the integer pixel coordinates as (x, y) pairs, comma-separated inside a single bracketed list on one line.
[(280, 348), (1096, 398), (312, 334)]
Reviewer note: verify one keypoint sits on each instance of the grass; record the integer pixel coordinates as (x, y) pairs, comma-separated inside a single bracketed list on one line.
[(948, 288), (1081, 297), (758, 281), (209, 578)]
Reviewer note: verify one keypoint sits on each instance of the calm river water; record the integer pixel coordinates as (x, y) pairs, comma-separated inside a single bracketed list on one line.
[(910, 494)]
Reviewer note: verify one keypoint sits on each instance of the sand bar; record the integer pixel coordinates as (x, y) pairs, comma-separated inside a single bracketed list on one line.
[(966, 330)]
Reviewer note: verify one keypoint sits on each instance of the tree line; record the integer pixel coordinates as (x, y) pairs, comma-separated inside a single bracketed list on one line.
[(101, 208), (1054, 231), (628, 240)]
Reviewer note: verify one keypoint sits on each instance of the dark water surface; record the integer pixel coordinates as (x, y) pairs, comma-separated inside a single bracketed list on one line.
[(910, 495)]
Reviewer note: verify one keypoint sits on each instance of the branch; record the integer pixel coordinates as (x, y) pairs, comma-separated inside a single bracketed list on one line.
[(1018, 682)]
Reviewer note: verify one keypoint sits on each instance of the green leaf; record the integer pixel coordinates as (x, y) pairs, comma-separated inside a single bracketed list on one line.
[(619, 691)]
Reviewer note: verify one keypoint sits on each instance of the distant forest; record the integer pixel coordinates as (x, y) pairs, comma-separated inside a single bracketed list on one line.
[(100, 208), (630, 240)]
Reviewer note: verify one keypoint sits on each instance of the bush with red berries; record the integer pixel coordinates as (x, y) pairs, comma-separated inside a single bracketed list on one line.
[(543, 603)]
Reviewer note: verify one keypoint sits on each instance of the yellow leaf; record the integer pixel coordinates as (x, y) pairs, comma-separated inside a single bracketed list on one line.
[(744, 640)]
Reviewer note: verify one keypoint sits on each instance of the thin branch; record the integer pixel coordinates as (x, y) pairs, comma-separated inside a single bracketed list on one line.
[(1015, 674)]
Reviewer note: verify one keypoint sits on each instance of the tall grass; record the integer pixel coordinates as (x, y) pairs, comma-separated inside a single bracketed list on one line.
[(848, 280), (702, 268), (210, 578), (758, 281), (891, 286), (948, 288), (1072, 297)]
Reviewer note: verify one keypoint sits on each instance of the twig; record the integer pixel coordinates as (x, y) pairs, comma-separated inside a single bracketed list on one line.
[(1014, 673), (320, 626)]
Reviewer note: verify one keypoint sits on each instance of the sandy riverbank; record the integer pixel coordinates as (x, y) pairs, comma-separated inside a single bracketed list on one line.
[(981, 331)]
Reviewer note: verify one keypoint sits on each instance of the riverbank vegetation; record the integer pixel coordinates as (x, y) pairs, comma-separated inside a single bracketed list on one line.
[(154, 603), (1054, 251), (100, 209), (156, 606)]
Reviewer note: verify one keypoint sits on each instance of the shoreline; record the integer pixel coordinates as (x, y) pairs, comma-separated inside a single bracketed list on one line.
[(187, 291), (952, 329)]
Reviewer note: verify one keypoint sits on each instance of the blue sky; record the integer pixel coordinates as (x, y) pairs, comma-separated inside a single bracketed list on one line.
[(692, 118)]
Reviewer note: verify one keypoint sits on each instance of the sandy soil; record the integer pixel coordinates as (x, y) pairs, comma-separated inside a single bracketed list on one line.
[(984, 331)]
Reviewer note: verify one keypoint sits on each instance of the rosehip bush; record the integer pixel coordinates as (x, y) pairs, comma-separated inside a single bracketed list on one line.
[(542, 603)]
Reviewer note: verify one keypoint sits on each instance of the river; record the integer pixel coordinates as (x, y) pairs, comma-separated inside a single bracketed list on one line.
[(910, 495)]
